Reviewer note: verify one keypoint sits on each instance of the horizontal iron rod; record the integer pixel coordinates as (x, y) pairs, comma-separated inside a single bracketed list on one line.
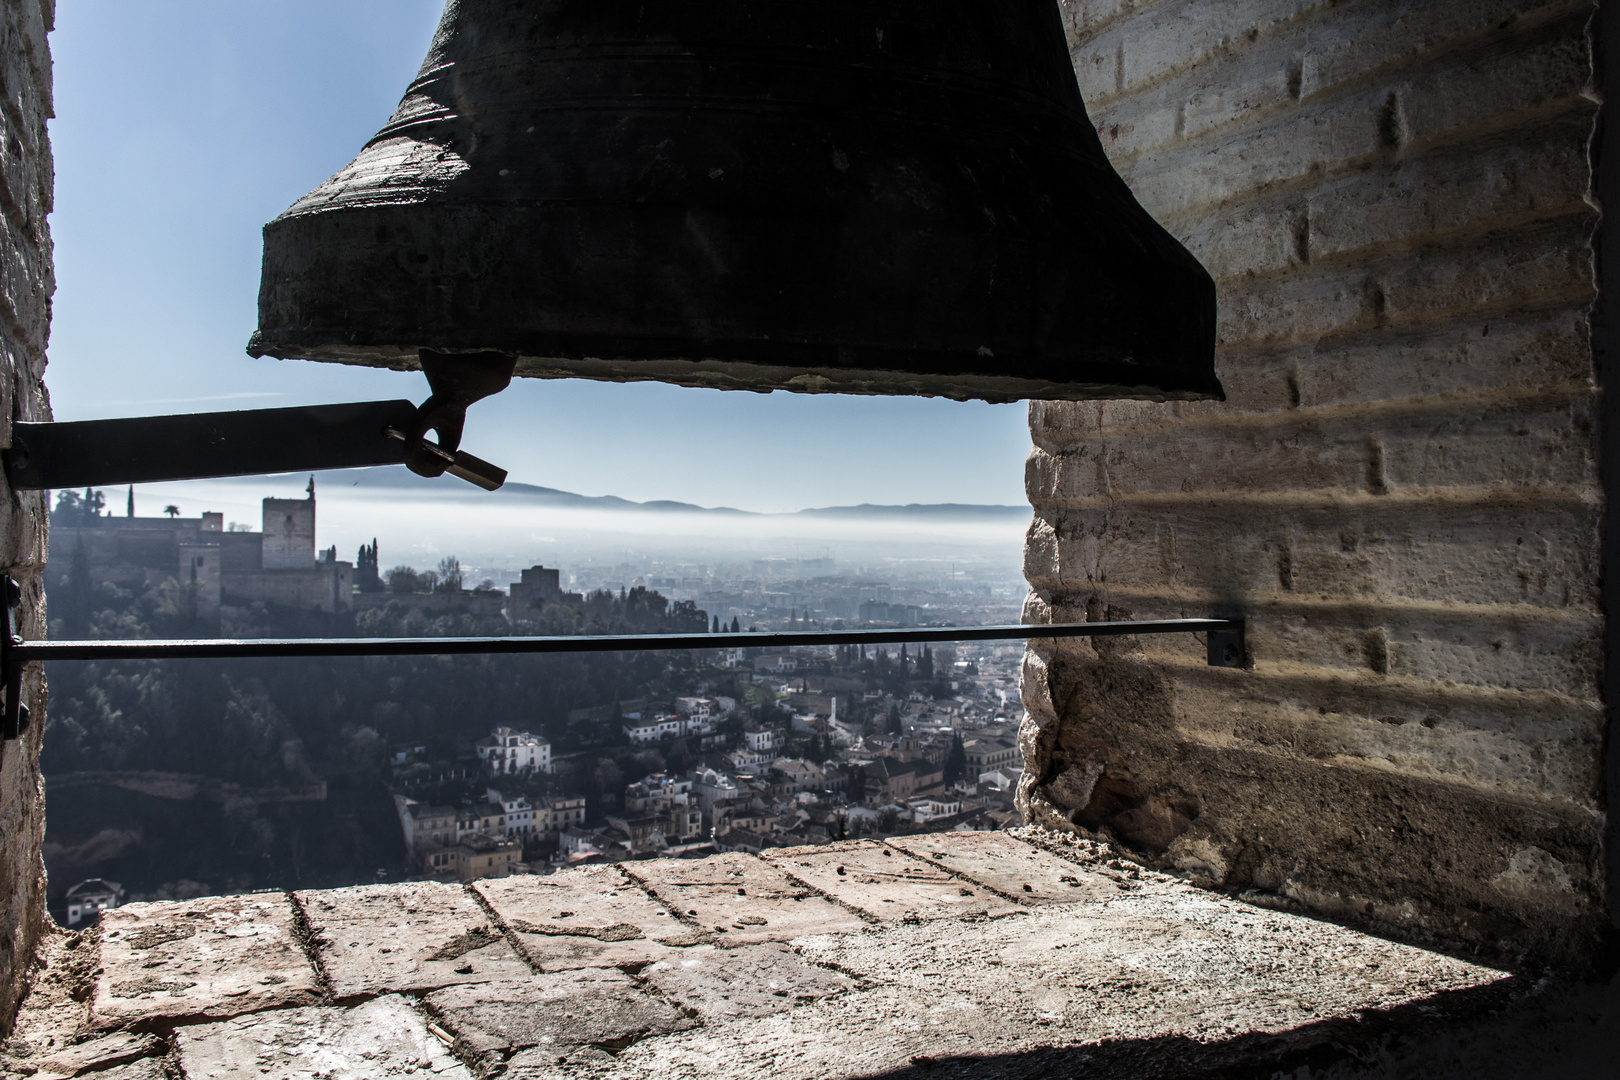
[(226, 649)]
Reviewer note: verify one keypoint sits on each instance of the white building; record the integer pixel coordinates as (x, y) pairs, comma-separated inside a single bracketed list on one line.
[(765, 740), (655, 728), (521, 816), (928, 809), (507, 752), (88, 899), (698, 708), (710, 787)]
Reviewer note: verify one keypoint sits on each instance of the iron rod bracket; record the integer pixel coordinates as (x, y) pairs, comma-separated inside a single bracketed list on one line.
[(1225, 644), (196, 446)]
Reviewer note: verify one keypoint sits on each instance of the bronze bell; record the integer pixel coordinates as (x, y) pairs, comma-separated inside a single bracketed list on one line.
[(851, 196)]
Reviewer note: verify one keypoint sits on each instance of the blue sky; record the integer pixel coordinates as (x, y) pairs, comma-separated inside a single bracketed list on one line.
[(184, 125)]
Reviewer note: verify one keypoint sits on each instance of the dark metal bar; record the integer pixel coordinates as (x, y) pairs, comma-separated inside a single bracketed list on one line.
[(196, 446), (28, 651)]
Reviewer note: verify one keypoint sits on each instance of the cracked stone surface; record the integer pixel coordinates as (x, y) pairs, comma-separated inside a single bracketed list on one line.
[(1030, 875), (93, 1055), (419, 936), (588, 916), (1143, 975), (378, 1038), (212, 957), (886, 883), (743, 898), (567, 1012), (755, 980)]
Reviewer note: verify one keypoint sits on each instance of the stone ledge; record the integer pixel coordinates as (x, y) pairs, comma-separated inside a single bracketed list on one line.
[(1062, 953)]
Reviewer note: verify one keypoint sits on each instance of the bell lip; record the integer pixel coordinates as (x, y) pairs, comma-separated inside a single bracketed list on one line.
[(1097, 381)]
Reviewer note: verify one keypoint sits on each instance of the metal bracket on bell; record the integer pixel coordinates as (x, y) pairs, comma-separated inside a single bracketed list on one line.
[(14, 714), (461, 464)]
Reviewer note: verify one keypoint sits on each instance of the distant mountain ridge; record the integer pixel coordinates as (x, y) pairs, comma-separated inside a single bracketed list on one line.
[(398, 477)]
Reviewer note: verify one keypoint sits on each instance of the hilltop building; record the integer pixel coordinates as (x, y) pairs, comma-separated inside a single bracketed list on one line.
[(539, 586), (218, 567), (506, 752)]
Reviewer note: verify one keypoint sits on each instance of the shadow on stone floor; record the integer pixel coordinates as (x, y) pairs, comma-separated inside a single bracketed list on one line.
[(1519, 1028)]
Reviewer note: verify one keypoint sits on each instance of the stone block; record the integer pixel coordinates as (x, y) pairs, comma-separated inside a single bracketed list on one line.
[(742, 899), (1338, 133), (416, 936), (1010, 867), (1529, 438), (887, 884), (213, 957), (95, 1055), (587, 916), (380, 1038), (1172, 37), (555, 1014), (754, 980), (1419, 547)]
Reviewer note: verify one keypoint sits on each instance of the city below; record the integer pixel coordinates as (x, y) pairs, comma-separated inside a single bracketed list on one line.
[(531, 765)]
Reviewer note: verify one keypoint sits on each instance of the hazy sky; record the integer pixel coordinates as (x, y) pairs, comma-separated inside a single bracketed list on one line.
[(184, 125)]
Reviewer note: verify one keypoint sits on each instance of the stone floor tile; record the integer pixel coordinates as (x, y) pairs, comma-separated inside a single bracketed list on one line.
[(587, 916), (93, 1055), (213, 957), (554, 1013), (412, 936), (886, 883), (1010, 866), (145, 1069), (744, 900), (379, 1038), (754, 980)]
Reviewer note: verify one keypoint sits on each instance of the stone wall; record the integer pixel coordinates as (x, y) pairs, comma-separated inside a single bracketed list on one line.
[(25, 311), (1401, 494)]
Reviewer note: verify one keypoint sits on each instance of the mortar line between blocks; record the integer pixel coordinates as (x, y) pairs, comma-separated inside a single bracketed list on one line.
[(680, 916), (869, 919), (507, 933), (961, 875), (305, 934)]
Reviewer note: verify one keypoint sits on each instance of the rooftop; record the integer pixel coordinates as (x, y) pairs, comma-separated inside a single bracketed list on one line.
[(962, 954)]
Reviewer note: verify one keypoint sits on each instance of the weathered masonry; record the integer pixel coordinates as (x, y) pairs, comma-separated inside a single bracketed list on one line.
[(1404, 492), (26, 284)]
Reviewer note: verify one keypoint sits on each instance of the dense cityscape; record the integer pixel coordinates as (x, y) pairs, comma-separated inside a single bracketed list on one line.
[(536, 763)]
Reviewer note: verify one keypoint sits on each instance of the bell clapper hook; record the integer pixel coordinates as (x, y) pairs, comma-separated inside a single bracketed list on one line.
[(457, 381)]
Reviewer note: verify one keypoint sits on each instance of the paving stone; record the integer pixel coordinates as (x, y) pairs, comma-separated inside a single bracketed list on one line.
[(213, 957), (556, 1013), (744, 900), (378, 1038), (120, 1048), (587, 916), (145, 1069), (413, 936), (755, 980), (1010, 866), (886, 883)]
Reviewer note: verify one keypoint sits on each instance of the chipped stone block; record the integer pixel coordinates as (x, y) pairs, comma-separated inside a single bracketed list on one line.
[(555, 1013), (413, 936), (213, 957), (887, 884), (380, 1038), (755, 980), (93, 1055), (150, 1068), (1009, 866), (587, 916), (742, 899)]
